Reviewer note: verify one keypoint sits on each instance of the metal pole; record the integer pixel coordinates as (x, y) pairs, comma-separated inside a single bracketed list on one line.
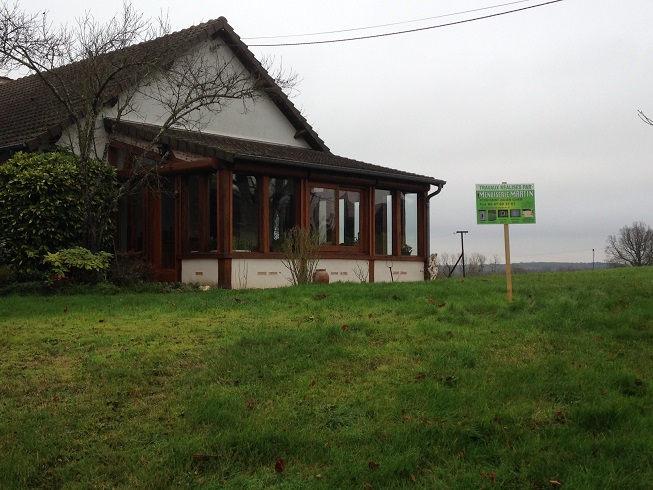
[(462, 246), (592, 259)]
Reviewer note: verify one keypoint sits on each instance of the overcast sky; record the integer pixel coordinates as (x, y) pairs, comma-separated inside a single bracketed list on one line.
[(547, 96)]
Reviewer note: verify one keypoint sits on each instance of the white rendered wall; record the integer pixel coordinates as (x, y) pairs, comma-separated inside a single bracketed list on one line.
[(271, 273), (69, 138), (258, 119), (346, 270), (199, 271), (258, 274), (401, 271)]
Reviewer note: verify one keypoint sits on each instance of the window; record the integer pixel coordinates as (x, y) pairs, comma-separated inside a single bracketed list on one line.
[(167, 192), (130, 223), (245, 212), (336, 221), (282, 210), (213, 212), (408, 223), (383, 222), (193, 212), (349, 214), (200, 213), (323, 214), (118, 158)]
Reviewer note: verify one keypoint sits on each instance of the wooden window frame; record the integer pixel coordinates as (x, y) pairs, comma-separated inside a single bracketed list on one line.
[(391, 221), (135, 205), (204, 211), (364, 228)]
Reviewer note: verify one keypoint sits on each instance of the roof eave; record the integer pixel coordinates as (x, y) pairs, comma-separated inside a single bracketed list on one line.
[(13, 147), (415, 179), (46, 138)]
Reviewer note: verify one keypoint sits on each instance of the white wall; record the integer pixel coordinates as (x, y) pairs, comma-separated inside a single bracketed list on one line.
[(199, 271), (401, 271), (259, 120), (271, 273), (346, 270)]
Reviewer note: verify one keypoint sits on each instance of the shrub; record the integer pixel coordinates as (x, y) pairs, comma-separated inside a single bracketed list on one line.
[(33, 288), (79, 263), (6, 275), (6, 272), (300, 247), (131, 268), (42, 206)]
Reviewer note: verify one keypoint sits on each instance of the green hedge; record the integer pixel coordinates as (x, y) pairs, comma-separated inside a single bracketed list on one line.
[(41, 197)]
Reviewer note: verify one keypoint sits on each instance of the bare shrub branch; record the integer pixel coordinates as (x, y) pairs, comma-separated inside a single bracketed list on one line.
[(300, 248)]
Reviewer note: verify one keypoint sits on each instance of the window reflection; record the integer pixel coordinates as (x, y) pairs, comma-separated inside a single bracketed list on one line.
[(245, 212), (282, 210), (383, 222), (408, 223)]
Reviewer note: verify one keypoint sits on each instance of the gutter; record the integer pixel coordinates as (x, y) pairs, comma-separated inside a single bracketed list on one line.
[(331, 168), (17, 147)]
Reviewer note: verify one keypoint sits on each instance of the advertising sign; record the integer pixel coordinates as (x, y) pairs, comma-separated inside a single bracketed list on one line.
[(505, 204)]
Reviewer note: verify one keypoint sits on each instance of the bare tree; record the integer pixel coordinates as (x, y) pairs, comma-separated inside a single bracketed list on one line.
[(645, 118), (446, 262), (494, 265), (475, 264), (95, 70), (633, 246)]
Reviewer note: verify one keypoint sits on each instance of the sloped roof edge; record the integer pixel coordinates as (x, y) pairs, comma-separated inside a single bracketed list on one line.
[(282, 101), (234, 149)]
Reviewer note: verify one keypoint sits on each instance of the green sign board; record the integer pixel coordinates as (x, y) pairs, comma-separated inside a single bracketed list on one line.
[(505, 204)]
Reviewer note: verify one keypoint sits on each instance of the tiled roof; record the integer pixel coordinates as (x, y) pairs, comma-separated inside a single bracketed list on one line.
[(30, 115), (233, 149)]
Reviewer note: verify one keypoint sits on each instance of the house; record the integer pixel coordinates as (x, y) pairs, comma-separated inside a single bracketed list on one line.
[(231, 186)]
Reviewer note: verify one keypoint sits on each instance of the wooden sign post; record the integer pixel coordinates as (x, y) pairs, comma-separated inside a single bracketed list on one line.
[(506, 239), (505, 204)]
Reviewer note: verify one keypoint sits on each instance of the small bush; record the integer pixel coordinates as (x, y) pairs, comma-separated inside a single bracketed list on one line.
[(32, 288), (300, 247), (78, 263), (6, 272), (130, 268), (6, 275)]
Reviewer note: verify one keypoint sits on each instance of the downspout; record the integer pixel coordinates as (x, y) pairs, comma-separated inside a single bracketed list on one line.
[(428, 226)]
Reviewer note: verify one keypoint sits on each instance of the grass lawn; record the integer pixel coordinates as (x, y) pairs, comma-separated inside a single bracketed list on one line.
[(431, 385)]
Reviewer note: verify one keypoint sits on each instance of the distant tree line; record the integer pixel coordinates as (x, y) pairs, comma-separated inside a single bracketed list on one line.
[(631, 247), (478, 264)]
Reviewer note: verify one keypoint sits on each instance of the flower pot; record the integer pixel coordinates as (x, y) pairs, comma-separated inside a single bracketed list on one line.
[(321, 275)]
